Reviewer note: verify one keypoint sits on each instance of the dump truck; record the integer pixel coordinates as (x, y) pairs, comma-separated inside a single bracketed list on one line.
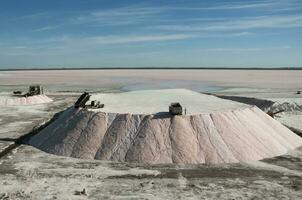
[(175, 109)]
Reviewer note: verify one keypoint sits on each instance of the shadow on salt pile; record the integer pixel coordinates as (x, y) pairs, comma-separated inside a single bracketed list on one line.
[(162, 115)]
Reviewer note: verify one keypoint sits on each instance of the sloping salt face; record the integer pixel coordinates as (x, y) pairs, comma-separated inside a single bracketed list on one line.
[(221, 137), (16, 101), (156, 101)]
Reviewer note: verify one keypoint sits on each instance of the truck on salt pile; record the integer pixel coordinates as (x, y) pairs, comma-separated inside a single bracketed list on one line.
[(175, 109)]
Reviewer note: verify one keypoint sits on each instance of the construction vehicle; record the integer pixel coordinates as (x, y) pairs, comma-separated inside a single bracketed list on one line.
[(272, 114), (175, 109), (84, 98), (81, 102), (96, 104), (33, 90)]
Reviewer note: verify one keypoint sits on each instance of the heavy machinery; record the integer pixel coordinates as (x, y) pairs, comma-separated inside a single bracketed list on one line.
[(175, 109), (272, 114), (96, 104), (33, 90), (81, 102), (84, 98)]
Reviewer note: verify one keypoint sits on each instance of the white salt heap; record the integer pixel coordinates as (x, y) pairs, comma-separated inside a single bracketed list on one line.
[(154, 101), (16, 101), (215, 131)]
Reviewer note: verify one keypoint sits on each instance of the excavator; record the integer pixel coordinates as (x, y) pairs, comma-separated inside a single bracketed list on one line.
[(272, 114)]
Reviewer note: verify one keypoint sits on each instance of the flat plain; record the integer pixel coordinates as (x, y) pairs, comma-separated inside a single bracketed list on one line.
[(28, 173)]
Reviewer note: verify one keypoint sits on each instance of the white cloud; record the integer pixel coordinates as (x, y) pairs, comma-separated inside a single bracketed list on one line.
[(234, 6), (161, 17), (144, 14), (33, 16), (289, 21), (249, 49), (67, 44), (140, 38), (286, 21), (46, 28), (119, 16), (127, 39), (157, 24), (263, 5)]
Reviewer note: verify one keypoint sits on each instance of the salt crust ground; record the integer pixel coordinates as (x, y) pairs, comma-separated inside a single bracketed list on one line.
[(15, 101), (228, 136), (28, 173)]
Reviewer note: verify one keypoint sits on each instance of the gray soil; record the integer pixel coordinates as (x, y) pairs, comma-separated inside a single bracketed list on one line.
[(28, 173)]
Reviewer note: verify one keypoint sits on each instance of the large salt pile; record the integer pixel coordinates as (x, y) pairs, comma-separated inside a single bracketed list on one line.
[(30, 100), (134, 127)]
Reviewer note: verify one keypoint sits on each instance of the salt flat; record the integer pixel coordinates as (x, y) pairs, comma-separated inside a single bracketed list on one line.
[(290, 79)]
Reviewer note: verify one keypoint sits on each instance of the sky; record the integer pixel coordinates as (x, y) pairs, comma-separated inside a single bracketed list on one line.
[(154, 33)]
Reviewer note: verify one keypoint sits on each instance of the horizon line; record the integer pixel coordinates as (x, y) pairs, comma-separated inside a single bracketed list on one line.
[(151, 68)]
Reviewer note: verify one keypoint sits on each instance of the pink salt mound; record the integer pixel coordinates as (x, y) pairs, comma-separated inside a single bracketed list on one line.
[(229, 136), (15, 101)]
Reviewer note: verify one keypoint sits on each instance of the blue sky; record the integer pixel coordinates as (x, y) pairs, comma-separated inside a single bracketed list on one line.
[(132, 33)]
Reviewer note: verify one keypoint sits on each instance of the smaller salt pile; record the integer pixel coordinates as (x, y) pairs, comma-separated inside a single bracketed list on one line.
[(35, 95), (31, 100)]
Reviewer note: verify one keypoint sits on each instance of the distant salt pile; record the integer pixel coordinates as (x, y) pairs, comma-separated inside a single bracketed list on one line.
[(288, 105), (30, 100), (133, 127)]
